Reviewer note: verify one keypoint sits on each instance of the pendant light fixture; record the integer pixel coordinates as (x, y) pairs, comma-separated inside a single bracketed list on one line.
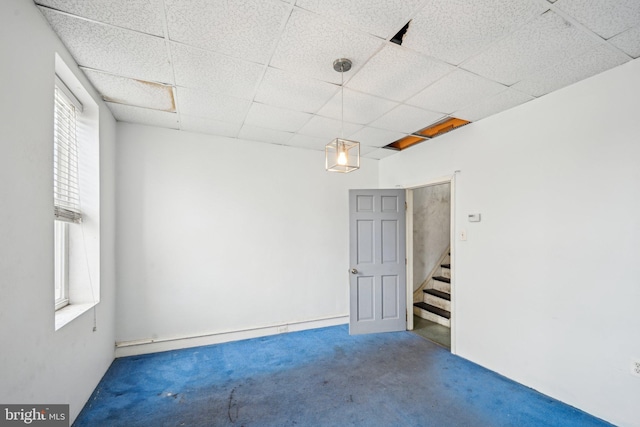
[(342, 155)]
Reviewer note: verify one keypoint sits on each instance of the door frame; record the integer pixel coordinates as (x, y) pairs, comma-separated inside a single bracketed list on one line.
[(451, 180)]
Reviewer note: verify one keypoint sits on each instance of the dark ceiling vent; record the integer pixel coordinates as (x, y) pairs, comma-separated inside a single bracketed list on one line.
[(429, 132), (397, 39)]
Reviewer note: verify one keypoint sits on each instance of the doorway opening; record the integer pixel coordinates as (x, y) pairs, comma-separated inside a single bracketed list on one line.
[(430, 297)]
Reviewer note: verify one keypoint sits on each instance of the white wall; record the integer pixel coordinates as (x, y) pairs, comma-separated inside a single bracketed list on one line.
[(547, 288), (38, 365), (219, 235)]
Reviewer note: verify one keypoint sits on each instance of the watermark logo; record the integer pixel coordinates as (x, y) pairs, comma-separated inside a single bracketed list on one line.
[(34, 415)]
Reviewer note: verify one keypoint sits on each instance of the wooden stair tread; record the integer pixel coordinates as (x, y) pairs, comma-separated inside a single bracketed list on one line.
[(433, 309), (442, 279), (445, 265), (437, 293)]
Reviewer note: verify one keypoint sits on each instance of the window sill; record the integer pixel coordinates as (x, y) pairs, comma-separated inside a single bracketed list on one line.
[(68, 313)]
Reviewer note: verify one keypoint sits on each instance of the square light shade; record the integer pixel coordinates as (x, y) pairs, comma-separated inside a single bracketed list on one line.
[(342, 155)]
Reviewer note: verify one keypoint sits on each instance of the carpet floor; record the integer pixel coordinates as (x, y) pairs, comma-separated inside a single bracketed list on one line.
[(320, 377)]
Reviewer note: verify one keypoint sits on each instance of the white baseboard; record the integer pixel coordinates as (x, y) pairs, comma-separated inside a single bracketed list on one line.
[(133, 348)]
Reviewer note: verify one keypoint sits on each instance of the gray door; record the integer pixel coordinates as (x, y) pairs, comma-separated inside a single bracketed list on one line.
[(377, 285)]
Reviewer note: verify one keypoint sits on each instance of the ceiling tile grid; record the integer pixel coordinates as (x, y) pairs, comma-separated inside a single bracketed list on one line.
[(262, 70), (115, 50), (310, 44), (140, 15), (406, 117), (245, 29), (382, 18), (455, 91), (373, 137), (324, 127), (145, 116), (272, 136), (396, 73), (137, 93), (628, 42), (380, 153), (209, 126), (276, 118), (547, 40), (605, 17), (306, 141), (289, 90), (359, 107), (208, 105), (454, 30), (572, 70), (197, 68), (500, 102)]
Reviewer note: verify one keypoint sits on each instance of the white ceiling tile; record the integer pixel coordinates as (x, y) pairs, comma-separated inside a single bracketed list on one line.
[(323, 127), (365, 149), (397, 73), (198, 103), (628, 42), (139, 15), (380, 153), (406, 119), (605, 17), (502, 101), (209, 126), (255, 133), (295, 92), (127, 113), (358, 107), (383, 18), (309, 45), (197, 68), (112, 49), (245, 29), (570, 71), (277, 118), (454, 30), (455, 91), (134, 92), (373, 137), (310, 142), (543, 42)]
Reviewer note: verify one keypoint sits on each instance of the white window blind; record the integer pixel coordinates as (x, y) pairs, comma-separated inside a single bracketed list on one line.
[(66, 188)]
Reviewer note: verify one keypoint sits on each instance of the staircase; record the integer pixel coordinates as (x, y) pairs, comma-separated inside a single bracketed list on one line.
[(436, 299)]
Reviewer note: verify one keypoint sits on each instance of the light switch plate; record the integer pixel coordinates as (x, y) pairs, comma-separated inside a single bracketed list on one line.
[(463, 235), (474, 217)]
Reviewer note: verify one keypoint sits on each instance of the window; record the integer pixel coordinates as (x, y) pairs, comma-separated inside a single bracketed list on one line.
[(76, 197), (66, 189)]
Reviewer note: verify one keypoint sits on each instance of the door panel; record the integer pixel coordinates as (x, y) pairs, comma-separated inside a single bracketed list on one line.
[(365, 254), (365, 298), (377, 257)]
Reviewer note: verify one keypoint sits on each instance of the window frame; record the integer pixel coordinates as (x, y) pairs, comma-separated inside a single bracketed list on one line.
[(61, 264), (79, 245), (65, 183)]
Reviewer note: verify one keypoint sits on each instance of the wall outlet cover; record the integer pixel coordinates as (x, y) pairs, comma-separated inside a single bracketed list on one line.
[(635, 367)]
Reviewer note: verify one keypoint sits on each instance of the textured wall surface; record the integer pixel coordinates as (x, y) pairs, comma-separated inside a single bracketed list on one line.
[(431, 228)]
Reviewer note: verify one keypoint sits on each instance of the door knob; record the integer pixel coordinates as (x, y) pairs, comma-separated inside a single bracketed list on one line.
[(354, 271)]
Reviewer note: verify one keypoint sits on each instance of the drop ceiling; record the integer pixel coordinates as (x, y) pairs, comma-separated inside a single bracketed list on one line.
[(262, 69)]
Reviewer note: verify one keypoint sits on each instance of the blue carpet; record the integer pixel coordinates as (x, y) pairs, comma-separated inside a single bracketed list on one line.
[(320, 377)]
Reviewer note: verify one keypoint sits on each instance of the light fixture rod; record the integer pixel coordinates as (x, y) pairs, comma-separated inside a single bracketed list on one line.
[(342, 65)]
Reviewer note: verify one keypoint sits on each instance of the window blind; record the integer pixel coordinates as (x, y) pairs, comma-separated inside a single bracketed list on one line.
[(66, 188)]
